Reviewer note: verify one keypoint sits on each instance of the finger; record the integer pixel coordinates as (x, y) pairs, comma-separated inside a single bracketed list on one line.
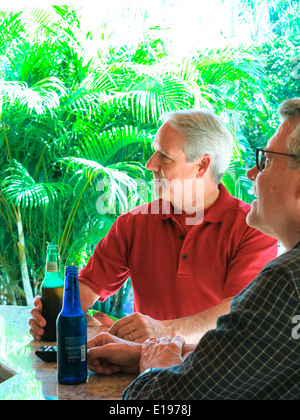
[(103, 352), (103, 369), (186, 355), (110, 370), (177, 344), (36, 331), (135, 337), (139, 340), (99, 340), (165, 339), (130, 336), (38, 318), (37, 301), (149, 343), (94, 342), (114, 329), (129, 329), (188, 348), (180, 341), (34, 335)]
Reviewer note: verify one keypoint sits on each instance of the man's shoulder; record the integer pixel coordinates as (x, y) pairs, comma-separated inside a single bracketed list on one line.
[(234, 215), (237, 205), (283, 271), (228, 208), (288, 261), (148, 208)]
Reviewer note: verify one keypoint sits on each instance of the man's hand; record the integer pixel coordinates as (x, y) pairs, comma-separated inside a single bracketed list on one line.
[(37, 322), (108, 355), (138, 328), (162, 353)]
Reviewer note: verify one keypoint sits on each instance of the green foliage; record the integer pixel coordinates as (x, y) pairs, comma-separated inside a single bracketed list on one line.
[(70, 118)]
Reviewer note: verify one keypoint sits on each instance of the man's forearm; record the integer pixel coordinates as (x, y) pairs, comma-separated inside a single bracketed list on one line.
[(87, 296), (193, 327)]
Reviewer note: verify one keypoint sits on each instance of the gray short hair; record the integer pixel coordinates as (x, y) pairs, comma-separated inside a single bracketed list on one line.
[(291, 109), (205, 134)]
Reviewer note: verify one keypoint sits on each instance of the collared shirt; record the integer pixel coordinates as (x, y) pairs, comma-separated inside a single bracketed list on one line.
[(175, 273), (252, 354)]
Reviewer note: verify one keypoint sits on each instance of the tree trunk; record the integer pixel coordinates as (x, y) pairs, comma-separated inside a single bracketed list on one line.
[(13, 299), (23, 263)]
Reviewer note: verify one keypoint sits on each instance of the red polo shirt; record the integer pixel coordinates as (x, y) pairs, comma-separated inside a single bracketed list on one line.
[(175, 272)]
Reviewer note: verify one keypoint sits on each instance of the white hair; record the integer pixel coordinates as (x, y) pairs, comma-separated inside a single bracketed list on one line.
[(205, 134), (291, 109)]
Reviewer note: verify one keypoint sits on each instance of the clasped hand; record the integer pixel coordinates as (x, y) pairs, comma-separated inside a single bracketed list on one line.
[(138, 328), (108, 354)]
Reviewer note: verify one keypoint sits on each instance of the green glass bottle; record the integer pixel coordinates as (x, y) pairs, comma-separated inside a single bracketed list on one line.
[(52, 291)]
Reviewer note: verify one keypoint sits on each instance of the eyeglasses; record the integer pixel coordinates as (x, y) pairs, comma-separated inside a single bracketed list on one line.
[(261, 158)]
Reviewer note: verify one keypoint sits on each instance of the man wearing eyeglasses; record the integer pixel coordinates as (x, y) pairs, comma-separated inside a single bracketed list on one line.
[(273, 208), (254, 351)]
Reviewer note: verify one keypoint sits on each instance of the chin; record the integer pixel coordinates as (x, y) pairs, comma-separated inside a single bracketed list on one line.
[(252, 216), (249, 218), (253, 220)]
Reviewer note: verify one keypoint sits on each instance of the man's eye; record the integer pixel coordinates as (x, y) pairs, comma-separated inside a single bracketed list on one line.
[(164, 156), (267, 162)]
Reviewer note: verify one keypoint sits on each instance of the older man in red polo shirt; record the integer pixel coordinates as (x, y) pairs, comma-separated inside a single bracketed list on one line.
[(184, 275)]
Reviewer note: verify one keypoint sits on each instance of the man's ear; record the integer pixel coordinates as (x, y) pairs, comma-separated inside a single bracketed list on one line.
[(202, 166)]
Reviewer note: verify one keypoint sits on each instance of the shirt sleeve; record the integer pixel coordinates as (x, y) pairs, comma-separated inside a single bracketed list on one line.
[(107, 269), (254, 252), (250, 355)]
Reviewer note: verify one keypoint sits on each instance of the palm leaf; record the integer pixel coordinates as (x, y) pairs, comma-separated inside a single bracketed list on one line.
[(121, 141), (237, 183), (43, 96), (21, 188), (119, 184), (149, 96)]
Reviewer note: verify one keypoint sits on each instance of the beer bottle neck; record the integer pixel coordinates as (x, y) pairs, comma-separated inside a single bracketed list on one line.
[(52, 267), (71, 305), (52, 263), (52, 276)]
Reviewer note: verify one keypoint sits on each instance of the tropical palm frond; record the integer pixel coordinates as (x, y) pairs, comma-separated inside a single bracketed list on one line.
[(22, 189), (119, 189), (150, 93), (237, 183), (87, 96), (103, 147), (43, 96)]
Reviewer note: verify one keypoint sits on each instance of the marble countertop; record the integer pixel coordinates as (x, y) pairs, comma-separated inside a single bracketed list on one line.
[(35, 379)]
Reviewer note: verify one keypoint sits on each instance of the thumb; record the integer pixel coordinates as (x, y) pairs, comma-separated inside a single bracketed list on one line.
[(99, 340), (179, 341), (103, 352)]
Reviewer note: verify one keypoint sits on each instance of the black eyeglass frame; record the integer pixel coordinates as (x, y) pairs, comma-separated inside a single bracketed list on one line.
[(262, 152)]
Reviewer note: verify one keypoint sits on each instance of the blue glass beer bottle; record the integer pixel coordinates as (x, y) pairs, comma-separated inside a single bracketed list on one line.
[(71, 334)]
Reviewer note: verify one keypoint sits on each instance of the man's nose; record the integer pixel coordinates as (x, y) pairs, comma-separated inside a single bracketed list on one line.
[(153, 163), (252, 173)]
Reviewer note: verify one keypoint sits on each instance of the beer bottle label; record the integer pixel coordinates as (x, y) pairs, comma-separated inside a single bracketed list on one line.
[(75, 349), (52, 267)]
